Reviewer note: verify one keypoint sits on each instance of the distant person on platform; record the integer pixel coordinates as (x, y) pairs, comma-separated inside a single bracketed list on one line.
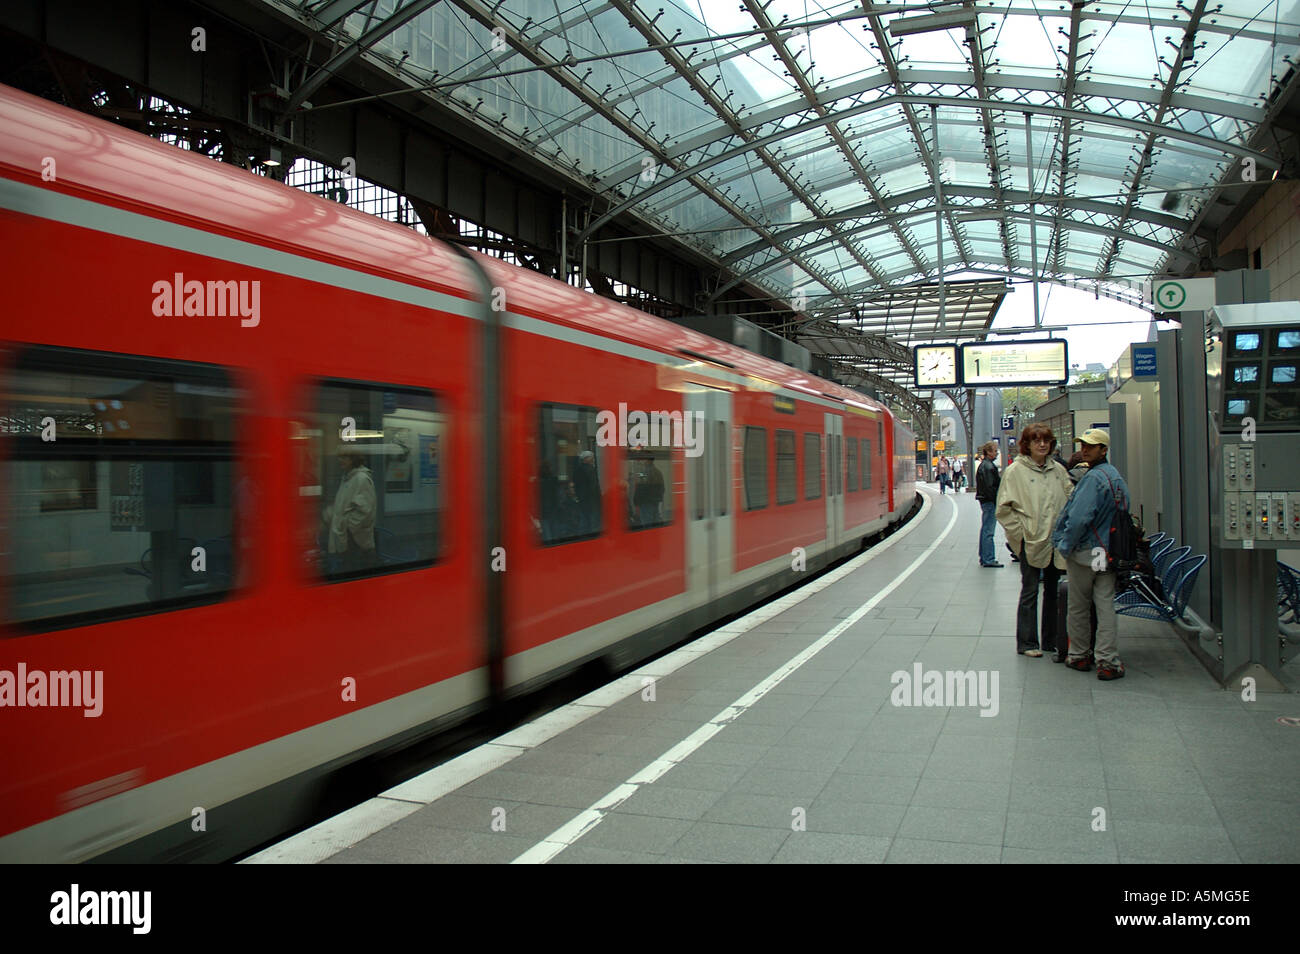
[(944, 475), (956, 473), (1031, 496), (1083, 534), (987, 480)]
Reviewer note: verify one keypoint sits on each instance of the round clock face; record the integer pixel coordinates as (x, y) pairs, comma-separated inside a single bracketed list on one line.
[(936, 367)]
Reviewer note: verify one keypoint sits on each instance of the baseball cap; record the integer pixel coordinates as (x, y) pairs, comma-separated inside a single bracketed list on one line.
[(1094, 435)]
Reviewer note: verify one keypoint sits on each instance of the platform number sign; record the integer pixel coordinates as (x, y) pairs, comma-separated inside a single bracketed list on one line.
[(1008, 423)]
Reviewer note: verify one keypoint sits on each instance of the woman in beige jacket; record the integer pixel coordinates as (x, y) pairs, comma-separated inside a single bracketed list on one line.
[(1033, 492)]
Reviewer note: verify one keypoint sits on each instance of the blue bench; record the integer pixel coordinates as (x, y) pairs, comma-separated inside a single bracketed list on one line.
[(1179, 578), (1288, 594)]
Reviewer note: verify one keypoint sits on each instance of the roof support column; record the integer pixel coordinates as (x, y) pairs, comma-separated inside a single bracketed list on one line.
[(1033, 223)]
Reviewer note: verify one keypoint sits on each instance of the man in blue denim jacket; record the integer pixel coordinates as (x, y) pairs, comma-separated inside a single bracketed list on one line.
[(1082, 535)]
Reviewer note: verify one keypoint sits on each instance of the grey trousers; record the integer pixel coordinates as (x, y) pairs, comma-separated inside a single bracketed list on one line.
[(1087, 586)]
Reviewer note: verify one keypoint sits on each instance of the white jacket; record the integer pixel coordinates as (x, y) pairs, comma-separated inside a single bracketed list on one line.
[(353, 512)]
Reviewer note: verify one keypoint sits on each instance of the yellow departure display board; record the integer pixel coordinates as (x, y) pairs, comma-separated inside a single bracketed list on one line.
[(1009, 363)]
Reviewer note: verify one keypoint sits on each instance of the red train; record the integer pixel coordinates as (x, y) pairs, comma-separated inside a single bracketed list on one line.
[(287, 485)]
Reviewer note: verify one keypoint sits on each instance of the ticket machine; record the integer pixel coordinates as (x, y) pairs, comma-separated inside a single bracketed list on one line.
[(1252, 393), (1253, 401)]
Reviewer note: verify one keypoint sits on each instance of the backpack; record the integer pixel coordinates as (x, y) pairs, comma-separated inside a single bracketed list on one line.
[(1121, 550)]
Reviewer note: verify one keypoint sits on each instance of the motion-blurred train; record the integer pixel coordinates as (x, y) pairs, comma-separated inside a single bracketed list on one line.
[(286, 485)]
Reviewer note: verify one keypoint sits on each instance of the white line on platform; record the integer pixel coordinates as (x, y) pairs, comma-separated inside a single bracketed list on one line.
[(343, 831), (567, 834)]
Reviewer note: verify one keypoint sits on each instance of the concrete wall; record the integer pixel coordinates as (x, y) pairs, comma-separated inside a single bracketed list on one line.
[(1273, 227)]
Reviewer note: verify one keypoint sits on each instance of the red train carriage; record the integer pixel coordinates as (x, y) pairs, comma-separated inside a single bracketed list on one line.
[(284, 489)]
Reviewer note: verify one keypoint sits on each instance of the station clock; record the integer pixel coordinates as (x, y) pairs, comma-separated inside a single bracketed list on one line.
[(936, 366)]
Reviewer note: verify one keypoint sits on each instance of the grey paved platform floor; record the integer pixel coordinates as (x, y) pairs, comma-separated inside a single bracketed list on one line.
[(1161, 766)]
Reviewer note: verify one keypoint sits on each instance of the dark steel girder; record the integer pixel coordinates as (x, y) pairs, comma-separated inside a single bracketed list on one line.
[(1185, 54), (557, 69), (343, 57), (997, 164), (796, 72), (930, 158), (1056, 250), (683, 68)]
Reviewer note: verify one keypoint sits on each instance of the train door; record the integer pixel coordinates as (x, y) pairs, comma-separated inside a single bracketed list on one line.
[(834, 438), (710, 517)]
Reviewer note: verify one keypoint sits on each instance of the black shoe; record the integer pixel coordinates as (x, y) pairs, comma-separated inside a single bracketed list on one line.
[(992, 564)]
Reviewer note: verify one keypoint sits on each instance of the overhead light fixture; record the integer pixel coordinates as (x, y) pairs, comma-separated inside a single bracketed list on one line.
[(274, 157), (906, 26)]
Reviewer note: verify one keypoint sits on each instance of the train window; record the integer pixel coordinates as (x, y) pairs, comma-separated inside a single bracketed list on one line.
[(755, 468), (568, 474), (851, 482), (649, 474), (812, 466), (866, 464), (786, 491), (123, 492), (373, 457)]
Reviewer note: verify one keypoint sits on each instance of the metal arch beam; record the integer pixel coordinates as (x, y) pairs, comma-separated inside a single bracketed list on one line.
[(885, 50), (997, 164), (995, 269), (809, 93), (1009, 197), (480, 11), (741, 277), (343, 57), (1055, 250), (1185, 54), (335, 11), (959, 102), (863, 378), (1010, 81), (682, 67)]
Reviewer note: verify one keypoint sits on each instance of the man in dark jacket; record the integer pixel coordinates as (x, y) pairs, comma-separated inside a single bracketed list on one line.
[(987, 481)]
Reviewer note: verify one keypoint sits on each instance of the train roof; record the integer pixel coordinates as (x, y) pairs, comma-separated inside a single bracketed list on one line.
[(106, 163)]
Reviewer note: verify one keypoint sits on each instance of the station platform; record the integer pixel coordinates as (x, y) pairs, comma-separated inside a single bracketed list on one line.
[(777, 738)]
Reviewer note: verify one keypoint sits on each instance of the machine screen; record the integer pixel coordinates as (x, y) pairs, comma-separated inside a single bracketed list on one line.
[(1245, 374), (1245, 341), (1287, 340), (1283, 373), (1238, 407)]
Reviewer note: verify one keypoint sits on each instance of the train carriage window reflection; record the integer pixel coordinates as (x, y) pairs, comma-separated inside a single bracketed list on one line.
[(786, 490), (812, 466), (568, 474), (373, 459), (755, 463), (648, 475), (122, 488), (851, 482)]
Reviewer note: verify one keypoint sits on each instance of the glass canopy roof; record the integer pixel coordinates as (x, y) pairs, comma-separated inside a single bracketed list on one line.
[(826, 151)]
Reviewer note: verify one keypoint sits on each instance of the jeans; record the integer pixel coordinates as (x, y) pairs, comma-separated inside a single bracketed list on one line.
[(1026, 618), (987, 523)]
